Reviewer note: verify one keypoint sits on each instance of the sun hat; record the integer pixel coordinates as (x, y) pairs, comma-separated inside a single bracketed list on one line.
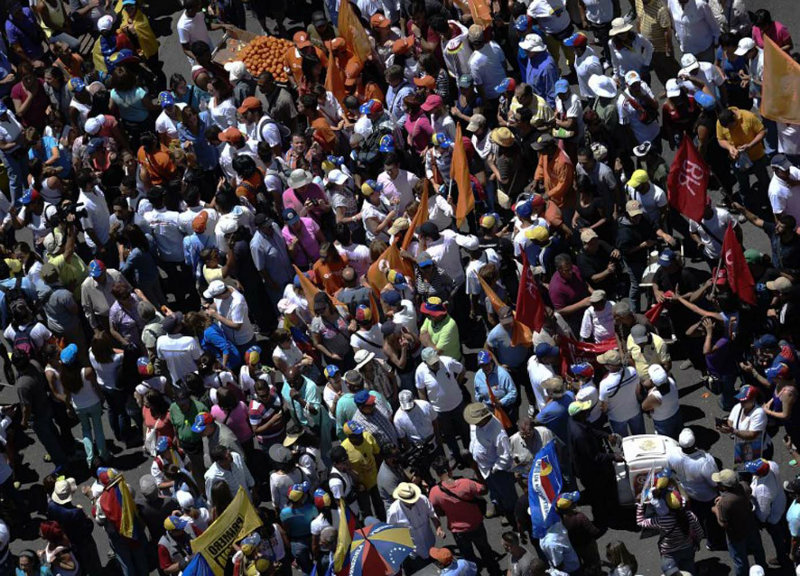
[(407, 492), (503, 137), (215, 288), (533, 43), (726, 477), (602, 86), (63, 490), (363, 357), (299, 178), (406, 399), (430, 356), (475, 412), (619, 26)]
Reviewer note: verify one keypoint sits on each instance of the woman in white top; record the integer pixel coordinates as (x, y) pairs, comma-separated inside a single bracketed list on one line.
[(107, 363), (286, 354), (748, 424), (83, 395), (662, 399), (221, 106)]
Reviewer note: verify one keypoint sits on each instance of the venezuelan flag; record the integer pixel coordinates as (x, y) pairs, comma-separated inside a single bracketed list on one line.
[(118, 506)]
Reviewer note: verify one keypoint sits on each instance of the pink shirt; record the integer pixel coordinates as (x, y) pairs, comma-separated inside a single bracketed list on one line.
[(237, 421), (563, 293), (307, 251), (776, 31), (420, 131), (291, 199)]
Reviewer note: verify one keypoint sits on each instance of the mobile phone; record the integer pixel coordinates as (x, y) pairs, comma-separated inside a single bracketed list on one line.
[(720, 421)]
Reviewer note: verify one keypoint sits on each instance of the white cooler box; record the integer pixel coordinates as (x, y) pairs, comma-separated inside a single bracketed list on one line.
[(642, 454)]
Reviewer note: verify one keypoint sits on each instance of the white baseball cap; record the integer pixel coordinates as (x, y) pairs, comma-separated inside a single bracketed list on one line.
[(673, 88), (686, 438), (94, 125), (533, 43), (337, 177), (689, 62), (744, 46)]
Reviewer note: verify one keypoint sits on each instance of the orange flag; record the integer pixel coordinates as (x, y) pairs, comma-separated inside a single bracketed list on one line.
[(780, 88), (420, 217), (459, 171), (334, 81), (394, 261), (480, 12), (520, 335), (310, 290), (353, 32)]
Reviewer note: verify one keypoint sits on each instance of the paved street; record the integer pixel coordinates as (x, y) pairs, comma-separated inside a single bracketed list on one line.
[(698, 409)]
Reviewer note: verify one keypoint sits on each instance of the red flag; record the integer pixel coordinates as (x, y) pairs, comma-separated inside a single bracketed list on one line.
[(654, 312), (687, 181), (739, 277), (530, 308), (459, 172), (520, 333)]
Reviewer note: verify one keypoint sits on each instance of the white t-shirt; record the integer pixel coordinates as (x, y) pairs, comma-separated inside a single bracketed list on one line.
[(223, 114), (446, 253), (473, 286), (166, 125), (371, 212), (538, 372), (755, 421), (193, 29), (571, 108), (108, 373), (39, 334), (770, 499), (599, 11), (713, 231), (180, 353), (415, 424), (618, 391), (629, 116), (400, 189), (441, 387), (370, 340), (166, 227), (652, 201), (234, 308), (789, 139), (94, 202), (783, 198), (551, 15), (598, 324), (694, 471), (670, 403), (586, 65)]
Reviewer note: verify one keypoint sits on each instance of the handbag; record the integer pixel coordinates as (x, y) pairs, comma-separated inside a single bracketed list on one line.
[(151, 439)]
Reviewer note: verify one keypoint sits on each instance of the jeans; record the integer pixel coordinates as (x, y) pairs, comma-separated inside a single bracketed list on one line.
[(771, 138), (301, 550), (778, 532), (477, 538), (16, 164), (91, 417), (684, 559), (118, 417), (635, 425), (132, 561), (45, 431), (451, 424), (670, 426), (634, 271), (738, 549), (502, 491)]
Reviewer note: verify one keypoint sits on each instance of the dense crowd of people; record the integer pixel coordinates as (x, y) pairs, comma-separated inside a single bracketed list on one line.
[(446, 242)]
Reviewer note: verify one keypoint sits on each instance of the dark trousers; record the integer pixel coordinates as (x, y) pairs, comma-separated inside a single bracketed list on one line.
[(715, 537), (371, 500), (468, 541), (180, 281), (452, 424), (118, 417)]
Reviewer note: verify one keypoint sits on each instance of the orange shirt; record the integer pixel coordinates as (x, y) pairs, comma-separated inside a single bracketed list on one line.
[(558, 174), (248, 187), (159, 166), (329, 275), (293, 62), (324, 133)]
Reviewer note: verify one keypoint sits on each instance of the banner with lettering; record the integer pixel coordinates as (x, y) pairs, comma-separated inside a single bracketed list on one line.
[(687, 181), (780, 86), (238, 520)]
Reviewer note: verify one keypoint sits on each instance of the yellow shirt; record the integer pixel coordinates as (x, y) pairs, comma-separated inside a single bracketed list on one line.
[(71, 273), (742, 132), (147, 39), (541, 111), (654, 22), (362, 458), (658, 354)]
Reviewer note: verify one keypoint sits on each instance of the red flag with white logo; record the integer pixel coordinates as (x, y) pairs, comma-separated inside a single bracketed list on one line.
[(739, 277), (530, 308), (688, 181)]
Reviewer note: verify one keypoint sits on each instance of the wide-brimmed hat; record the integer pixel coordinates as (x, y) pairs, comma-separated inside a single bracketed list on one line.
[(503, 137), (407, 492), (475, 412), (299, 178), (602, 86), (533, 43), (63, 491), (619, 26), (362, 358), (726, 477)]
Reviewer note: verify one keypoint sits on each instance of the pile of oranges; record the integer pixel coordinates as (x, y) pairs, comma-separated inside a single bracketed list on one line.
[(265, 54)]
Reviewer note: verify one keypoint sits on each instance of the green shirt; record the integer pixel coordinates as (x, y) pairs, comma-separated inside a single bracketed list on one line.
[(445, 337), (309, 393), (182, 421)]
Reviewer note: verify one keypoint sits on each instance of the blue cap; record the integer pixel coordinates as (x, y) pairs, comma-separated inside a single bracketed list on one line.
[(174, 522), (484, 358), (163, 444), (361, 397), (166, 99), (129, 2), (290, 216), (351, 427), (96, 268), (374, 184), (524, 210), (69, 355), (76, 84), (562, 86), (3, 108), (95, 145), (331, 370), (747, 393), (522, 23), (666, 257), (766, 341), (441, 139), (335, 160), (507, 85), (391, 297), (704, 100), (28, 196), (386, 143), (544, 349)]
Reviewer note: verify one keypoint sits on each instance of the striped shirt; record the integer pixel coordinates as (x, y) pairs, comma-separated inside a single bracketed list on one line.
[(671, 536)]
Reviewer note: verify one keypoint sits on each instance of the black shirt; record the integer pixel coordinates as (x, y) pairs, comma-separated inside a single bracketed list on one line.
[(32, 391), (631, 235), (785, 255), (591, 264)]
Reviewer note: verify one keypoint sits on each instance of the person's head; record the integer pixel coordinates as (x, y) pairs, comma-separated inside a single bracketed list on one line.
[(618, 554), (510, 540), (747, 397), (727, 118), (563, 264), (29, 563), (220, 495), (221, 456), (339, 458), (52, 531), (726, 479), (762, 18), (485, 362)]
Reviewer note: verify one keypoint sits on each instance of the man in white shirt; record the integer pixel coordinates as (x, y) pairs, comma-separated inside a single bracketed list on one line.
[(229, 467), (15, 157), (598, 319), (179, 352), (230, 310), (443, 248), (618, 395), (491, 452), (485, 65), (638, 92), (709, 232), (770, 503), (696, 28), (552, 18), (398, 184), (696, 75), (438, 381), (652, 198), (95, 222), (192, 28), (540, 368), (415, 420), (587, 64), (784, 187)]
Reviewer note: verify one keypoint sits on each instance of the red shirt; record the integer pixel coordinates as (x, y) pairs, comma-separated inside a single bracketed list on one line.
[(461, 516), (776, 31)]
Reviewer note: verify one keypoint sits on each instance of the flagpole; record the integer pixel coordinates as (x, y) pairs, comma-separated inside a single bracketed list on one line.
[(714, 279)]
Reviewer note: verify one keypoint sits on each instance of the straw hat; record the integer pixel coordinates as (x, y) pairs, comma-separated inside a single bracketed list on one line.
[(407, 492)]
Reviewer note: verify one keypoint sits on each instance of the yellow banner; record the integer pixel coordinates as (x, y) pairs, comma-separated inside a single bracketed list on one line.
[(780, 90), (238, 520), (351, 29)]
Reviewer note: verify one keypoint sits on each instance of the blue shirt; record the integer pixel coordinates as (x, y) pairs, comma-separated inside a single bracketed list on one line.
[(541, 72), (507, 354), (48, 143), (555, 417), (793, 518), (460, 567), (297, 521), (271, 254), (140, 267), (206, 153), (502, 385), (214, 340), (24, 32)]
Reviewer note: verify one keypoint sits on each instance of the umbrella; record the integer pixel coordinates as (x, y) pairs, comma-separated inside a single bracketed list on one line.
[(379, 549)]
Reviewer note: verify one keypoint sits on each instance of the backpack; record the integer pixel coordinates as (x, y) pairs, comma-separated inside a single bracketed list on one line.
[(23, 341), (16, 296)]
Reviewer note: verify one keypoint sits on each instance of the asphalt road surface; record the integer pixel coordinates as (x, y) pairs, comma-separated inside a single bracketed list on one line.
[(698, 410)]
